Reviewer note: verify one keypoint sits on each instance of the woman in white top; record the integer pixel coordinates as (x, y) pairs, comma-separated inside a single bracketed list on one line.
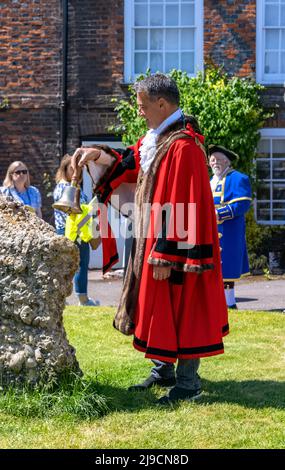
[(17, 186)]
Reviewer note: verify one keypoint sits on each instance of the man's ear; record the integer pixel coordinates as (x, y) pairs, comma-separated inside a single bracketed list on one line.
[(161, 102)]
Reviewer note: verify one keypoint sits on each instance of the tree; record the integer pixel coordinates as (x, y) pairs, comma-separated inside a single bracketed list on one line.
[(3, 104), (229, 111)]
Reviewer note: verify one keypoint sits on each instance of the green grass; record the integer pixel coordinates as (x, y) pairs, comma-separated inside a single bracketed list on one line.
[(243, 404)]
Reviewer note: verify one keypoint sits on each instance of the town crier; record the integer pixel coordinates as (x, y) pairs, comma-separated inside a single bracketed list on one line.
[(232, 198)]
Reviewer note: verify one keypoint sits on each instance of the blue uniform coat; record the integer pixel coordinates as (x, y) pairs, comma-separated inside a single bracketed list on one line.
[(232, 196)]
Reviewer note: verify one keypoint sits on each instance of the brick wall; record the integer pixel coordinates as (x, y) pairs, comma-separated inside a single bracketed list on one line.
[(30, 65), (31, 71), (96, 31), (230, 41), (229, 35)]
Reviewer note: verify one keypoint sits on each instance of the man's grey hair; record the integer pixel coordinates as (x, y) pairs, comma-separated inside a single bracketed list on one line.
[(159, 86)]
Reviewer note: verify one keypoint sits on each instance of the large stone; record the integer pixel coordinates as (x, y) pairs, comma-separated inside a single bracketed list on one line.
[(36, 271)]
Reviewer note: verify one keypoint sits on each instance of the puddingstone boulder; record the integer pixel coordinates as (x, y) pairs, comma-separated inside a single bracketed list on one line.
[(36, 271)]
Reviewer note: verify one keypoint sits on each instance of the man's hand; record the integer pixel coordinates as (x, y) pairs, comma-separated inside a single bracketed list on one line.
[(87, 154), (160, 273)]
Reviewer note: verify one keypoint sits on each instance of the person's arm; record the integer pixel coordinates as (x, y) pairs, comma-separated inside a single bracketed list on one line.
[(38, 202), (109, 168), (39, 212), (239, 203)]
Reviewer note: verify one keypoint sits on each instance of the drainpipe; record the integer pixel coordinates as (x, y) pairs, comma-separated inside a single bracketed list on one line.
[(63, 102)]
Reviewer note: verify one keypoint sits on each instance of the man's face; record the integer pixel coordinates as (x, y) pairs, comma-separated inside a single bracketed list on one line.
[(218, 162), (151, 110)]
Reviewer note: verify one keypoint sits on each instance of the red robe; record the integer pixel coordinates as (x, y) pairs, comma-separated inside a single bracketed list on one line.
[(184, 316)]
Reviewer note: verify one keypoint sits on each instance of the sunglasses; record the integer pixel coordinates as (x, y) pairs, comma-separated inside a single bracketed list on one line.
[(20, 172)]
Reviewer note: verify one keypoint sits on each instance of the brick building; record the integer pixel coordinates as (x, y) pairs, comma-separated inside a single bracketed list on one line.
[(62, 62)]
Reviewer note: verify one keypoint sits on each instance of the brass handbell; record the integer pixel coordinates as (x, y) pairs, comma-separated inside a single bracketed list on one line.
[(70, 200)]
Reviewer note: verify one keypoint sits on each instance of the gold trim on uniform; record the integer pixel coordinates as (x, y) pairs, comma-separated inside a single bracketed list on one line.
[(239, 199), (238, 278)]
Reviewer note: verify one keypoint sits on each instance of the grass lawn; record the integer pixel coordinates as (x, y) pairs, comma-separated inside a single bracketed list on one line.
[(243, 404)]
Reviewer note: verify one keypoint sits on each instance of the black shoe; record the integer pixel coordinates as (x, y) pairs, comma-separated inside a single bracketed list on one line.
[(151, 381), (233, 307), (177, 393)]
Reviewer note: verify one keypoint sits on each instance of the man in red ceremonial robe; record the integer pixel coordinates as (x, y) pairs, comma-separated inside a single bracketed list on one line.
[(173, 297)]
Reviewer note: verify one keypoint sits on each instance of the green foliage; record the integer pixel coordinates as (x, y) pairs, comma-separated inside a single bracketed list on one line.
[(260, 240), (131, 126), (242, 406), (77, 398), (4, 104), (258, 264), (229, 111), (48, 184), (257, 236)]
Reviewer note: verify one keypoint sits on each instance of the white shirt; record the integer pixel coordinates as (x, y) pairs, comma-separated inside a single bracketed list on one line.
[(216, 179), (148, 147)]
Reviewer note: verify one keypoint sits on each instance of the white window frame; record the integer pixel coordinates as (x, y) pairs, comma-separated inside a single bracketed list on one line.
[(261, 76), (129, 75), (269, 133)]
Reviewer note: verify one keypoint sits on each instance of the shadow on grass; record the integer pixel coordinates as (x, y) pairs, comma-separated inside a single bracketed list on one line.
[(88, 399), (250, 393)]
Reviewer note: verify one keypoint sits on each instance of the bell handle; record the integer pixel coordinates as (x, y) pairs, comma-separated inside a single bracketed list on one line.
[(76, 170)]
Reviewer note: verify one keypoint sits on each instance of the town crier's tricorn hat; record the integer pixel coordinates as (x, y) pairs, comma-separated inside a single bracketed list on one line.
[(219, 148)]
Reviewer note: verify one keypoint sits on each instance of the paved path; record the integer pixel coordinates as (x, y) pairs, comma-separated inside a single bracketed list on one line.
[(253, 293)]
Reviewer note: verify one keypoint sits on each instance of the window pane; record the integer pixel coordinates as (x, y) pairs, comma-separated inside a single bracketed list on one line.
[(187, 39), (272, 15), (156, 15), (171, 12), (282, 19), (187, 15), (171, 61), (263, 148), (279, 211), (140, 62), (283, 39), (263, 191), (263, 211), (279, 214), (263, 170), (279, 170), (271, 62), (141, 15), (282, 60), (156, 39), (156, 62), (279, 191), (171, 39), (271, 39), (141, 39), (278, 148), (187, 62)]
